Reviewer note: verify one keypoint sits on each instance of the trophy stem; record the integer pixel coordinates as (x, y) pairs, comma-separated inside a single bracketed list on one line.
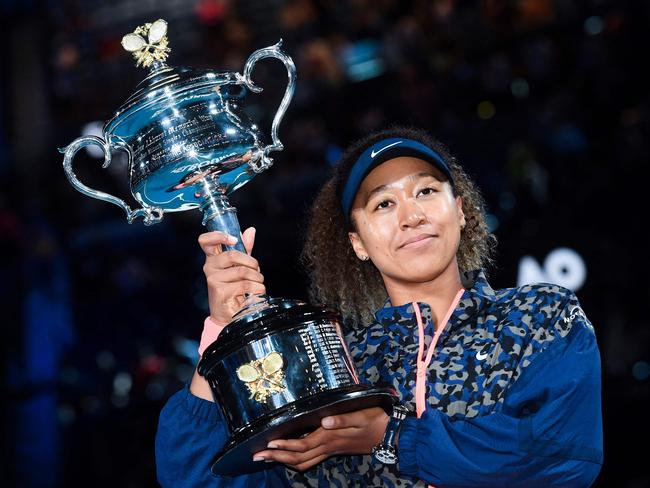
[(218, 214)]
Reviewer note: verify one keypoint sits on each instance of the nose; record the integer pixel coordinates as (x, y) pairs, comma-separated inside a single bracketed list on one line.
[(411, 214)]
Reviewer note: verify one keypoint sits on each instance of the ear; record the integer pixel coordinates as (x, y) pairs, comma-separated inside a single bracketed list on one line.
[(357, 245), (461, 215)]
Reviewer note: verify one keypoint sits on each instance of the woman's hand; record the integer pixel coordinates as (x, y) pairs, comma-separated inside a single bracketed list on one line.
[(230, 274), (350, 433)]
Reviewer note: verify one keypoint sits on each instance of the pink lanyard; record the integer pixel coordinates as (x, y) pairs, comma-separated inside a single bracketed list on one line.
[(423, 364)]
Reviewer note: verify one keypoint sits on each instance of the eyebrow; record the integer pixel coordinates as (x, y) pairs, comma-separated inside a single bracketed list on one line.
[(412, 177)]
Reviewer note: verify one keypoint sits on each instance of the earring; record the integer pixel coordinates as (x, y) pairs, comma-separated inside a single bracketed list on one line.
[(364, 258)]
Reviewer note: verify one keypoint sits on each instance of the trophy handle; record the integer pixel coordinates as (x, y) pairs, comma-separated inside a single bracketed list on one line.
[(272, 52), (151, 215)]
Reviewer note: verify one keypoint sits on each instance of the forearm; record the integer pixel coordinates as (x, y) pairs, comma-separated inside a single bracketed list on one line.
[(191, 431), (199, 387), (484, 452)]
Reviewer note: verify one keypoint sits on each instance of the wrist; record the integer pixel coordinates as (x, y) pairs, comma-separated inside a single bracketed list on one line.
[(386, 450), (211, 331), (408, 445)]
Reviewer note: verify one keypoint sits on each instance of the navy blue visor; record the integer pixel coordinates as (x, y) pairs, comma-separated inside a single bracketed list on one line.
[(381, 152)]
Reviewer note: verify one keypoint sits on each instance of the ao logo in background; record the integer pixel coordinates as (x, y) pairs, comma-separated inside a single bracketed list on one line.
[(562, 266)]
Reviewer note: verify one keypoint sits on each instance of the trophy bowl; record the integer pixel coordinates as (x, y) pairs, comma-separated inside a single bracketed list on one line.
[(280, 365), (188, 125), (185, 132)]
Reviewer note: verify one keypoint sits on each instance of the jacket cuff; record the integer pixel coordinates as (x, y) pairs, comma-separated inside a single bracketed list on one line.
[(211, 331), (200, 408), (407, 448)]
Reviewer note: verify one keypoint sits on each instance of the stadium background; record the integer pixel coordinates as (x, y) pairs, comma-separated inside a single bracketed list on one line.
[(544, 102)]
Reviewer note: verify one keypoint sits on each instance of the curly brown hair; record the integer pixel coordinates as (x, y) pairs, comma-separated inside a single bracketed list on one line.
[(354, 287)]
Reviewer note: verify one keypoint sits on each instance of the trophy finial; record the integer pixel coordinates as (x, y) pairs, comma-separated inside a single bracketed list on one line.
[(148, 43)]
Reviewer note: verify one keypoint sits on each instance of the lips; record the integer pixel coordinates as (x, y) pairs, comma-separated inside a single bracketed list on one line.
[(414, 241)]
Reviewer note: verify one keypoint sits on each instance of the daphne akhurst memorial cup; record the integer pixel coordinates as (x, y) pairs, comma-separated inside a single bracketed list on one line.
[(280, 365)]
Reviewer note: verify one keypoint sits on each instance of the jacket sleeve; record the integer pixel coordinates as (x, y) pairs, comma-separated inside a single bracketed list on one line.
[(190, 432), (547, 433)]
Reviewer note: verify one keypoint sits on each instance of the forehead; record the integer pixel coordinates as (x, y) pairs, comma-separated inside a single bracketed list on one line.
[(395, 169)]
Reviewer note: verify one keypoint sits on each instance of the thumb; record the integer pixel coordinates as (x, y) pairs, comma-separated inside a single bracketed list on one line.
[(338, 421), (248, 238)]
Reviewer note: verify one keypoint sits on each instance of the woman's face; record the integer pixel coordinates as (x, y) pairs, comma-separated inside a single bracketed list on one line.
[(407, 221)]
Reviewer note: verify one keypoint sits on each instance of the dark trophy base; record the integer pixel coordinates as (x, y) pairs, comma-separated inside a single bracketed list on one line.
[(275, 372), (292, 421)]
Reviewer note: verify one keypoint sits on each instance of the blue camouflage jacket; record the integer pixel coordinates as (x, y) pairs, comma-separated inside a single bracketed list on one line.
[(513, 400)]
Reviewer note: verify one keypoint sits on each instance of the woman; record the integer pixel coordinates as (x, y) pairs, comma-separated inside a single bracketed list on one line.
[(502, 387)]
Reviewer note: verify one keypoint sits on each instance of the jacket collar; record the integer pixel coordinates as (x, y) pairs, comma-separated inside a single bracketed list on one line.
[(478, 295)]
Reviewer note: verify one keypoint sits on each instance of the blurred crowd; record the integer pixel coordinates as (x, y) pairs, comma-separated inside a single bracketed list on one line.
[(544, 102)]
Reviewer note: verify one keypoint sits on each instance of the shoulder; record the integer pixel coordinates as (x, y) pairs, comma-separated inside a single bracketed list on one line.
[(542, 305), (534, 295), (527, 308), (542, 314)]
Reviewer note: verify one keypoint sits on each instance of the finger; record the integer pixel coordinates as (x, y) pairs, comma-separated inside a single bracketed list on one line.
[(225, 291), (297, 445), (232, 275), (248, 238), (303, 444), (228, 259), (347, 420), (311, 463), (251, 288), (211, 242), (289, 457), (343, 421)]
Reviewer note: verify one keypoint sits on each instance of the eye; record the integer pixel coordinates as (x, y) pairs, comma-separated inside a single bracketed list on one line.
[(427, 191), (383, 204)]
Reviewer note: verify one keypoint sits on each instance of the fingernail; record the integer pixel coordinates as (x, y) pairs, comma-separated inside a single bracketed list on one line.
[(271, 445), (327, 422), (258, 458), (232, 239)]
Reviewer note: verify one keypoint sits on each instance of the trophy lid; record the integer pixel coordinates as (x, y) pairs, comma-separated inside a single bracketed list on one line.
[(164, 83)]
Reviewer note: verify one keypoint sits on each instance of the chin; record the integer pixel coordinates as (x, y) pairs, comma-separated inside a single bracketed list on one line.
[(420, 268), (419, 275), (424, 268)]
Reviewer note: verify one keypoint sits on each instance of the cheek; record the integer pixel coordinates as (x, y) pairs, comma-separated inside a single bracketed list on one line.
[(445, 212), (376, 235)]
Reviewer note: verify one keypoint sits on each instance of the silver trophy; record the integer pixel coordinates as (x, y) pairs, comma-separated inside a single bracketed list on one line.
[(280, 365), (189, 143)]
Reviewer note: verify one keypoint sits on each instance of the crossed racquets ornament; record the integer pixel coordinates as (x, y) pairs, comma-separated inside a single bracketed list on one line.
[(264, 376), (153, 48)]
